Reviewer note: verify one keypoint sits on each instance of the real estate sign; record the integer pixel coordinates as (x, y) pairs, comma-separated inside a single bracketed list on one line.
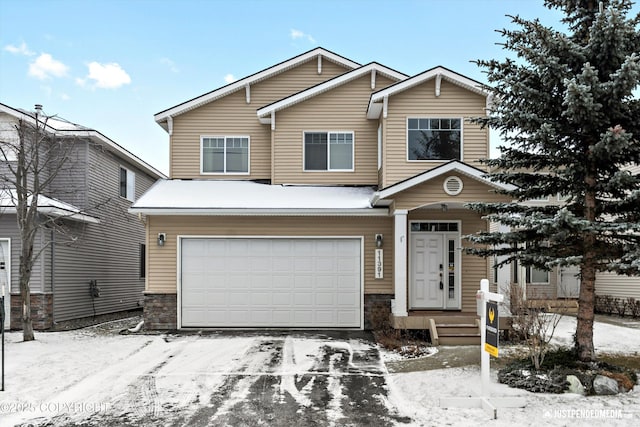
[(491, 329)]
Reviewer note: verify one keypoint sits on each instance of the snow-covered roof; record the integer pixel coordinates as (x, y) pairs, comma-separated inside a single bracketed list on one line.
[(46, 206), (211, 197), (62, 128)]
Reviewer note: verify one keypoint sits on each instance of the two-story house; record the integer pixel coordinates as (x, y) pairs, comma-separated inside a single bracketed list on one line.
[(97, 265), (311, 191)]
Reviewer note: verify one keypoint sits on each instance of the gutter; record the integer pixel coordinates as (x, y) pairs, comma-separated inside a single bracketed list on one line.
[(261, 212)]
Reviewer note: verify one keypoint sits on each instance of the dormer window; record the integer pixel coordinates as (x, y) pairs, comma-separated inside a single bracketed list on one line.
[(434, 139)]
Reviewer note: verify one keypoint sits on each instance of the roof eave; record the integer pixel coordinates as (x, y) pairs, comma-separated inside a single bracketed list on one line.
[(329, 85), (252, 79), (259, 212)]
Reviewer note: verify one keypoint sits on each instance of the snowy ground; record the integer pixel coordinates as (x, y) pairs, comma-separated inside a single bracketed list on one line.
[(98, 378)]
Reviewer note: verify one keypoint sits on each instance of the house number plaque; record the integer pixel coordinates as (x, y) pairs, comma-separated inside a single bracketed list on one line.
[(379, 264)]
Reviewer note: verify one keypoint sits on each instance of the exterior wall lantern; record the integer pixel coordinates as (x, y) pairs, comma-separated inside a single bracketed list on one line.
[(379, 240), (162, 238)]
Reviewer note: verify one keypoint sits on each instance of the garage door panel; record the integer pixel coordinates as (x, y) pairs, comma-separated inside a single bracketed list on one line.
[(325, 299), (303, 281), (270, 282)]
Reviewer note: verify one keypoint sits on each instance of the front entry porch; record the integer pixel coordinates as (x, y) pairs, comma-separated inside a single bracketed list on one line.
[(446, 327)]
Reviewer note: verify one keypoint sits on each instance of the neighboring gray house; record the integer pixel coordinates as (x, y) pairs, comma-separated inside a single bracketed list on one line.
[(104, 243)]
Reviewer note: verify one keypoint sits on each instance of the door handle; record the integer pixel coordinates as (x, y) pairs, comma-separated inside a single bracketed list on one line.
[(441, 285)]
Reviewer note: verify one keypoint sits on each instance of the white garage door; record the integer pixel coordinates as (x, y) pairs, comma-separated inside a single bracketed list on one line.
[(265, 282)]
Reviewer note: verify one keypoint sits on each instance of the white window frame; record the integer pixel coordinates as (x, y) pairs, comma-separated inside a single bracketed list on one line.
[(130, 182), (329, 132), (529, 276), (406, 138), (202, 138)]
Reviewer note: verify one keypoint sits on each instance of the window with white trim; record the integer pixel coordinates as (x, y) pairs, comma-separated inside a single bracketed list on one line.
[(328, 151), (127, 184), (225, 154), (537, 275), (434, 139)]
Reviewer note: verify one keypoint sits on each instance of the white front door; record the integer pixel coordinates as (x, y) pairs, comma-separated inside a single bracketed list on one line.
[(5, 278), (435, 270), (569, 283)]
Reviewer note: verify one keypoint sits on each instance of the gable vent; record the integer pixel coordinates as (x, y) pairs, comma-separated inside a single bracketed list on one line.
[(452, 185)]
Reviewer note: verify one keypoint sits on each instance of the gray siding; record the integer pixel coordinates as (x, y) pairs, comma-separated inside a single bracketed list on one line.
[(107, 252), (70, 183), (9, 229)]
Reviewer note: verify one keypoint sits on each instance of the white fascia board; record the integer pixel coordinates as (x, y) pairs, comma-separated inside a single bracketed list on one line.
[(457, 166), (75, 216), (254, 78), (455, 78), (328, 85), (56, 212), (261, 212), (24, 116)]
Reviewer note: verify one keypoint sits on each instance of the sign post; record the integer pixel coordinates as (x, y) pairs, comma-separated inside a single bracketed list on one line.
[(487, 307)]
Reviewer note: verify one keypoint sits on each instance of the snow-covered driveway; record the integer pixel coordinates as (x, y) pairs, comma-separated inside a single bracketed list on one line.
[(216, 379), (96, 377)]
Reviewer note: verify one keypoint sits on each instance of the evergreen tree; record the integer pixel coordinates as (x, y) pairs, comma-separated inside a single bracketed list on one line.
[(566, 110)]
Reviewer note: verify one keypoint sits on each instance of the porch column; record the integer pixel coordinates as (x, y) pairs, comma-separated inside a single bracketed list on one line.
[(399, 306)]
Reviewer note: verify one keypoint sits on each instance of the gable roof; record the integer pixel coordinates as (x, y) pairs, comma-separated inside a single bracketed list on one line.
[(303, 95), (453, 165), (377, 98), (64, 128), (198, 101)]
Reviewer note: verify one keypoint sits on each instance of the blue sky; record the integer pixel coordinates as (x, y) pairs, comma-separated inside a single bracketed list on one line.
[(111, 65)]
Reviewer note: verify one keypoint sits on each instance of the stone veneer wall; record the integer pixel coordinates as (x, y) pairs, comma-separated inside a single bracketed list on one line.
[(160, 311), (41, 311), (377, 309)]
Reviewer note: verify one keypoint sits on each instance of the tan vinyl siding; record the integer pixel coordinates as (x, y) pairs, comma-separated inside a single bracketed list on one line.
[(474, 268), (341, 109), (162, 261), (420, 101), (618, 286), (432, 192), (231, 115)]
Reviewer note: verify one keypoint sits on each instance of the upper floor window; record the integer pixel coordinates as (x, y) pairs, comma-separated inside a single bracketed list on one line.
[(127, 184), (328, 151), (225, 154), (434, 139)]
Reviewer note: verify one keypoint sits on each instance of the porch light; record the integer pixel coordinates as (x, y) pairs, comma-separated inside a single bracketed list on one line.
[(444, 207), (162, 237), (379, 240)]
